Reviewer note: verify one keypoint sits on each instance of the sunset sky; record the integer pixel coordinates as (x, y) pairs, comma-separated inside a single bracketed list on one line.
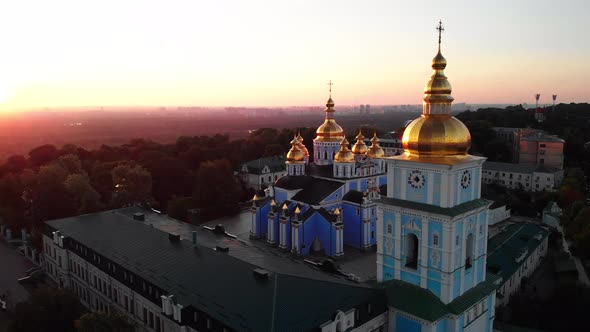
[(281, 53)]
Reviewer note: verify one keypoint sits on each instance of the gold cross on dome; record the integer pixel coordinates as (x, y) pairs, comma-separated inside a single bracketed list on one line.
[(330, 87), (440, 30)]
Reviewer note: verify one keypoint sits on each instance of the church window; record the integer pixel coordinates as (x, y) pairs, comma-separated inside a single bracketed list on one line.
[(480, 229), (468, 251), (372, 234), (358, 212), (411, 251), (435, 240), (457, 240), (389, 229), (369, 309)]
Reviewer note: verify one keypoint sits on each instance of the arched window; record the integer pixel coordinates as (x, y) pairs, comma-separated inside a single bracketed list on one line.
[(411, 251), (435, 240), (468, 251), (389, 229)]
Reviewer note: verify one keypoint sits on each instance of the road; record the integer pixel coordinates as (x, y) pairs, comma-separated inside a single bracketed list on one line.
[(12, 266)]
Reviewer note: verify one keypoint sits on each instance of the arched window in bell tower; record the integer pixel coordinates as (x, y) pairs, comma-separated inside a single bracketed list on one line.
[(411, 251), (469, 251)]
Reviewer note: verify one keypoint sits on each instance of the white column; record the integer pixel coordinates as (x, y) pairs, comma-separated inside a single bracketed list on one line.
[(424, 254), (430, 187), (398, 244), (445, 192), (404, 182)]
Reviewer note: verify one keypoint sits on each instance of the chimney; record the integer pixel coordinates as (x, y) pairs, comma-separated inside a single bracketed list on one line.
[(222, 248), (138, 216), (261, 274)]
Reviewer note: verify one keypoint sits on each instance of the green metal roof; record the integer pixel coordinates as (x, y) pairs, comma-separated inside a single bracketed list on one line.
[(451, 212), (510, 243), (414, 300), (217, 283), (471, 297), (423, 304)]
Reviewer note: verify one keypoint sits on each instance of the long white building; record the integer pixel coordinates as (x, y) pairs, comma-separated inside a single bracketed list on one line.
[(526, 177)]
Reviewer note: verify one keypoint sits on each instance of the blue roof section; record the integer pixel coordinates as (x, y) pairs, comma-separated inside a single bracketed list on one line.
[(511, 247)]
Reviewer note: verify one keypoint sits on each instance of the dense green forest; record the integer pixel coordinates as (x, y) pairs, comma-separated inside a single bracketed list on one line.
[(194, 172)]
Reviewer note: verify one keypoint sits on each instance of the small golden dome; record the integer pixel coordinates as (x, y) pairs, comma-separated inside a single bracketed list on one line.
[(295, 154), (375, 151), (301, 145), (436, 135), (337, 212), (359, 147), (329, 131), (344, 155)]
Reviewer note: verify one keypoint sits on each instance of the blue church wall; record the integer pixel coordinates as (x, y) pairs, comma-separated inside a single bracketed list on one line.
[(397, 177), (406, 324), (435, 227), (433, 275), (436, 180), (352, 185), (388, 219), (275, 223), (410, 277), (388, 260), (465, 193), (461, 320), (316, 225), (468, 277), (417, 194), (288, 231), (363, 185), (456, 283), (476, 181), (434, 286), (480, 270), (262, 220), (373, 230), (352, 225), (387, 273), (441, 326)]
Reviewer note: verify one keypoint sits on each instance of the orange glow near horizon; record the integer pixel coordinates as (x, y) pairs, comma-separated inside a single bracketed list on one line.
[(282, 53)]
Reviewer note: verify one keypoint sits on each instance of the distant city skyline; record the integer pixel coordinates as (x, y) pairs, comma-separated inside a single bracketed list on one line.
[(282, 53)]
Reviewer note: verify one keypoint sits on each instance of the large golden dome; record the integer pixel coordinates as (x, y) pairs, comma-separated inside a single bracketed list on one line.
[(436, 133), (329, 131), (344, 155)]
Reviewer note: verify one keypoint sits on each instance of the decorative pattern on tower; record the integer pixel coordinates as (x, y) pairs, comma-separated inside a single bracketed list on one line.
[(436, 133)]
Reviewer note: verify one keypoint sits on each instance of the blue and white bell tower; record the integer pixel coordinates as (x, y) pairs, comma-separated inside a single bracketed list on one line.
[(432, 224)]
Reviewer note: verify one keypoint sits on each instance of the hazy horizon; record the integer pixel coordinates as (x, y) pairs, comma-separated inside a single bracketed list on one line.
[(282, 53)]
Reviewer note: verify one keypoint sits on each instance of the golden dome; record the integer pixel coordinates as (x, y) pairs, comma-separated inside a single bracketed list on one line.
[(295, 154), (329, 131), (344, 155), (359, 147), (301, 146), (375, 151), (436, 133)]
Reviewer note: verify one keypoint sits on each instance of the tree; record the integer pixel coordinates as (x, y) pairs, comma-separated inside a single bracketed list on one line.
[(216, 188), (47, 310), (71, 163), (85, 198), (104, 322), (49, 197), (133, 185), (42, 155), (15, 164)]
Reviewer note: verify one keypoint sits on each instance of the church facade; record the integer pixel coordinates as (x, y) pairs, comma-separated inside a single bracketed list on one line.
[(432, 224), (320, 206), (422, 210)]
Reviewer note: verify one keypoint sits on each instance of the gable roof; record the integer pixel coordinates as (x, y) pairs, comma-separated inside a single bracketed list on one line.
[(289, 182), (316, 191), (274, 163), (323, 212)]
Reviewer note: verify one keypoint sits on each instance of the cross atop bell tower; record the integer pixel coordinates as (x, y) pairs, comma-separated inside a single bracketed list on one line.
[(440, 29)]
